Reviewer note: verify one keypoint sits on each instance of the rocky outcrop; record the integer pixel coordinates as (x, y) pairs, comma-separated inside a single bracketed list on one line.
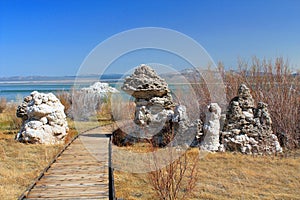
[(44, 120), (156, 115), (152, 98), (211, 129), (248, 129)]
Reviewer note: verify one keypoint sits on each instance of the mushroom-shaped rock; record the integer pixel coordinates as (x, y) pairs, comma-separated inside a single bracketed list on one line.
[(145, 83)]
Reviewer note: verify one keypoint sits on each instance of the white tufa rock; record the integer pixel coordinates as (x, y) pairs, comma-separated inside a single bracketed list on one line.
[(44, 120), (101, 88), (156, 115), (212, 128)]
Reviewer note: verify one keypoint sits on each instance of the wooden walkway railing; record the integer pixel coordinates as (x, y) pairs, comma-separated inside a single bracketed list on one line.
[(80, 171)]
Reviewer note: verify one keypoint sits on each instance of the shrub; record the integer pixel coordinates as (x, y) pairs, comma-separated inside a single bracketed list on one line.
[(178, 179)]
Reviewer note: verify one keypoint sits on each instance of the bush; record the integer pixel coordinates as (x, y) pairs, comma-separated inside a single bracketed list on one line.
[(178, 179)]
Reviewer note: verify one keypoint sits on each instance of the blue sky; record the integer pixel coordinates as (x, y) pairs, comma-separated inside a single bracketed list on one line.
[(52, 37)]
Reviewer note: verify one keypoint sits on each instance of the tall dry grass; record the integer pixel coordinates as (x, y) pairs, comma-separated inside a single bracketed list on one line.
[(84, 106), (66, 100)]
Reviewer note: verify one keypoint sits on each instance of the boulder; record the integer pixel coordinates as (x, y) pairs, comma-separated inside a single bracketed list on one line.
[(43, 119)]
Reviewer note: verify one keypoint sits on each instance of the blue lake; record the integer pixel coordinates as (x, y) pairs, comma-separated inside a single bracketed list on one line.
[(16, 91)]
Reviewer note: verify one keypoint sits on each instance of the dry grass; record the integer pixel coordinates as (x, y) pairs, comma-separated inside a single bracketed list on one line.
[(9, 122), (228, 176), (20, 164)]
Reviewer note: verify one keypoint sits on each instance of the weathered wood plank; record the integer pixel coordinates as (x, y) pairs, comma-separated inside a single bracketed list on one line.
[(77, 184), (69, 196)]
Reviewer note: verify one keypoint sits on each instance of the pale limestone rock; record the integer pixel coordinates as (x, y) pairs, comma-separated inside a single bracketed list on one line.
[(211, 128), (44, 120), (100, 88)]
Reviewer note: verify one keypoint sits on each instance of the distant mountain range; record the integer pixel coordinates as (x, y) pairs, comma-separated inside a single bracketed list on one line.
[(188, 73), (59, 78)]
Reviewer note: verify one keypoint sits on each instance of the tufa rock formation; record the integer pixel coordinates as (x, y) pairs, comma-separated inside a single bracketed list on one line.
[(103, 89), (211, 129), (155, 113), (43, 119), (248, 129), (152, 98), (87, 101)]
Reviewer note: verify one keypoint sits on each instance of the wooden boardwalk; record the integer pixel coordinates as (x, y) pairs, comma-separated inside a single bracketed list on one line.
[(80, 171)]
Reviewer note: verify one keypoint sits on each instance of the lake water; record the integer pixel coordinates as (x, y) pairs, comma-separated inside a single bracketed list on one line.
[(17, 91)]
